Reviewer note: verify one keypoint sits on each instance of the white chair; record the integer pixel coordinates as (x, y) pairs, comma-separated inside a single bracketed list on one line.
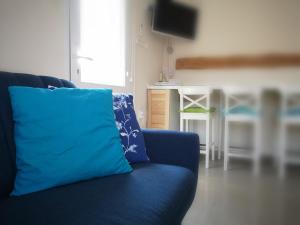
[(195, 105), (242, 105), (289, 116)]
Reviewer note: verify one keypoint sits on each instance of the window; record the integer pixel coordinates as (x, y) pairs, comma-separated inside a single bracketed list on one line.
[(99, 42)]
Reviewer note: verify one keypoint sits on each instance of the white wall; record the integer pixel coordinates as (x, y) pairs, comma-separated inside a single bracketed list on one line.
[(148, 56), (34, 37), (229, 27), (242, 27)]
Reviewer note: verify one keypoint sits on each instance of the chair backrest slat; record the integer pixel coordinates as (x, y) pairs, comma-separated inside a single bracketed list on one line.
[(194, 96)]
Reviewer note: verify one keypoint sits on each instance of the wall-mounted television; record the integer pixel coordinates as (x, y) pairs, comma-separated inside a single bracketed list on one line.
[(175, 19)]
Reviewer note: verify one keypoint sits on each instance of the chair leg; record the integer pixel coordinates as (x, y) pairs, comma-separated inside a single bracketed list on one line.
[(213, 139), (219, 152), (181, 124), (220, 129), (226, 147), (186, 125), (282, 151), (256, 169), (257, 150), (207, 145), (213, 149)]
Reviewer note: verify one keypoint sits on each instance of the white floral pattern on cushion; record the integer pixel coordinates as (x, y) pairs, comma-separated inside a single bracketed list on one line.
[(130, 132)]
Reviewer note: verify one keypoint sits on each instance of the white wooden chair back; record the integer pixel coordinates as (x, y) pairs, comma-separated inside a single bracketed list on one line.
[(242, 97), (197, 97), (248, 98), (290, 98), (194, 97)]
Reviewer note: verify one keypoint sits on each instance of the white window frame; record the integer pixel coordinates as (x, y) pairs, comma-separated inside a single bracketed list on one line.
[(74, 40)]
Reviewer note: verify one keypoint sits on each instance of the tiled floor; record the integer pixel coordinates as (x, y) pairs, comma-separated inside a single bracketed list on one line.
[(236, 197)]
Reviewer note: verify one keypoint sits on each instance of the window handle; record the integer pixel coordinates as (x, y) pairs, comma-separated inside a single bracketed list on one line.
[(85, 57)]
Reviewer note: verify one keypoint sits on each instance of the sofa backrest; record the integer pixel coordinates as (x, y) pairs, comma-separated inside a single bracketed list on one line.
[(7, 144)]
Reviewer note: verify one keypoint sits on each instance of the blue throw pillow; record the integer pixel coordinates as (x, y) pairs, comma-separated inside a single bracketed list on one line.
[(130, 132), (63, 136)]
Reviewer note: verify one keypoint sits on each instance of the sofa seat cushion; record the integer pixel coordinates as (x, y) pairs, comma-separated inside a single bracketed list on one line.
[(152, 194)]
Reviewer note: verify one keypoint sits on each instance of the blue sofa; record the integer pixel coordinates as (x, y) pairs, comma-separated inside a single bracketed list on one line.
[(155, 193)]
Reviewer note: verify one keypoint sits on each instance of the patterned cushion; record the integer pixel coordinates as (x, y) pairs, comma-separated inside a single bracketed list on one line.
[(130, 132)]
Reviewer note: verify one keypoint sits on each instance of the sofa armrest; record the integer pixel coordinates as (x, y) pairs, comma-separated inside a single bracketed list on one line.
[(173, 147)]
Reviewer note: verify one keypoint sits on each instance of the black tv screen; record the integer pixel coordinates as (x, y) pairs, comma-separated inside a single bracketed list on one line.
[(175, 19)]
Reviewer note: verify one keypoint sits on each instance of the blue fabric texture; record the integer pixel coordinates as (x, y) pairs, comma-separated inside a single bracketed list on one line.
[(173, 148), (130, 132), (153, 194), (63, 136), (7, 143)]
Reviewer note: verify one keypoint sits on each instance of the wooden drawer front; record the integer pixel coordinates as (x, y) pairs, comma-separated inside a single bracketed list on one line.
[(158, 95), (158, 119), (158, 109), (158, 126)]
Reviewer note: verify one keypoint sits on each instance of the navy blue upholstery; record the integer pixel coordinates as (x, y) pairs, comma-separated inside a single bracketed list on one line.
[(154, 193), (7, 146), (171, 147)]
